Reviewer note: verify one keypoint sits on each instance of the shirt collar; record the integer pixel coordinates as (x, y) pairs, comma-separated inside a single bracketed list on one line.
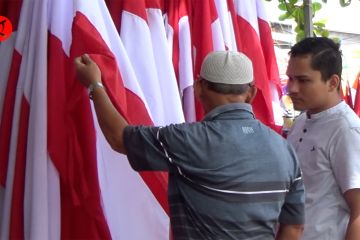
[(245, 108), (327, 112)]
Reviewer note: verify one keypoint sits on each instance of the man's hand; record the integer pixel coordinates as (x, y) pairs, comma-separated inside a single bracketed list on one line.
[(87, 70), (289, 232), (111, 122), (352, 198)]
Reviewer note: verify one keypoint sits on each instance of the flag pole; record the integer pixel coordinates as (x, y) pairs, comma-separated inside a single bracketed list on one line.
[(308, 18)]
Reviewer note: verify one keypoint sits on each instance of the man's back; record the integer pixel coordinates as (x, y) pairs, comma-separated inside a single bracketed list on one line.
[(229, 177)]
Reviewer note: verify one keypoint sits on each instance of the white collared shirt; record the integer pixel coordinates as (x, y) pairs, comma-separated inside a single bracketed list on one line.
[(328, 147)]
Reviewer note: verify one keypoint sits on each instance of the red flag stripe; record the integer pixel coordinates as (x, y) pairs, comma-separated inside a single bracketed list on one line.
[(11, 9), (249, 44), (136, 114), (7, 116), (82, 215), (17, 203), (357, 96)]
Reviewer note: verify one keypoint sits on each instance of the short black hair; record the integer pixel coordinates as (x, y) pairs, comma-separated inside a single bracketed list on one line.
[(326, 55), (227, 88)]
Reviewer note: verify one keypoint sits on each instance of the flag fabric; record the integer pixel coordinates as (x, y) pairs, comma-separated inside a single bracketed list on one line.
[(227, 27), (26, 207), (272, 70), (8, 66), (206, 37), (59, 178), (347, 95), (357, 95), (93, 32), (72, 157), (249, 40), (178, 33)]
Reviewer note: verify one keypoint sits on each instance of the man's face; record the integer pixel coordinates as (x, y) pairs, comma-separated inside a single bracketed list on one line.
[(305, 87)]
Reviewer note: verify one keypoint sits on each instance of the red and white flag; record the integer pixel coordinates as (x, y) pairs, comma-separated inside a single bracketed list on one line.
[(267, 45), (254, 36), (177, 24), (225, 16), (128, 201), (143, 34), (58, 195), (30, 178), (357, 95), (59, 178), (206, 36), (347, 95)]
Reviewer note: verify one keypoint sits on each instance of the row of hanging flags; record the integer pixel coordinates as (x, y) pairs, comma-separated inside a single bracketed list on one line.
[(58, 176), (348, 91)]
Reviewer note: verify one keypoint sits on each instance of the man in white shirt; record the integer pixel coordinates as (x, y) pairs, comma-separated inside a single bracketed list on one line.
[(326, 137)]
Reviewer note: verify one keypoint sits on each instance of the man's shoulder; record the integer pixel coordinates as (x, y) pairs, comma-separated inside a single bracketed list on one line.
[(350, 118)]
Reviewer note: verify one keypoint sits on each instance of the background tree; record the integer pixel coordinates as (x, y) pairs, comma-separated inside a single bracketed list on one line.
[(295, 9)]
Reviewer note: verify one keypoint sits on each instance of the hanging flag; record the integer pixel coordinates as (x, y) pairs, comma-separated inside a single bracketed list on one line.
[(59, 178), (26, 208), (249, 42), (177, 24), (9, 69), (127, 201), (58, 195), (226, 22), (357, 95), (272, 70), (346, 94), (206, 37)]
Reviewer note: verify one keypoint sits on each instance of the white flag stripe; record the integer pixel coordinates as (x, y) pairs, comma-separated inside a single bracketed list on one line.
[(2, 199), (261, 12), (130, 207), (217, 36), (248, 11), (35, 195), (134, 29), (277, 109), (185, 59), (186, 69), (61, 14), (169, 31), (233, 38), (21, 47), (276, 106), (226, 24), (165, 71), (144, 58)]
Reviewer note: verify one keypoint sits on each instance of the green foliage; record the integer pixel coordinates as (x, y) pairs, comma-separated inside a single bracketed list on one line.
[(294, 9), (343, 3)]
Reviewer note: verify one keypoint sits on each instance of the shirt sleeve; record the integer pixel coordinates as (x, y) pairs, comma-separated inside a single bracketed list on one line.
[(144, 151), (345, 158), (293, 209)]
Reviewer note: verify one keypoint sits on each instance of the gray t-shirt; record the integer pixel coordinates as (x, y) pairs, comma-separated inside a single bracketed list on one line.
[(230, 177)]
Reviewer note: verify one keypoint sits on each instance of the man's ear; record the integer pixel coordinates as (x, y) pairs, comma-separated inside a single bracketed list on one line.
[(334, 82), (197, 89), (251, 94)]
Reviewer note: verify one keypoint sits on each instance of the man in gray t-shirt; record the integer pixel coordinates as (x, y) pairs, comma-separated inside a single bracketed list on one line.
[(230, 177)]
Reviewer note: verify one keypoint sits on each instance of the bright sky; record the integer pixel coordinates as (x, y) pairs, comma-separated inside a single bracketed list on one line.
[(341, 19), (344, 19), (338, 18)]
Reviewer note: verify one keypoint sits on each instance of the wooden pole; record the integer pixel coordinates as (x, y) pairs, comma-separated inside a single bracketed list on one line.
[(308, 18)]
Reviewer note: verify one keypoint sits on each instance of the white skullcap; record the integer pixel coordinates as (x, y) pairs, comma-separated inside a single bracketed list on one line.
[(227, 67)]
